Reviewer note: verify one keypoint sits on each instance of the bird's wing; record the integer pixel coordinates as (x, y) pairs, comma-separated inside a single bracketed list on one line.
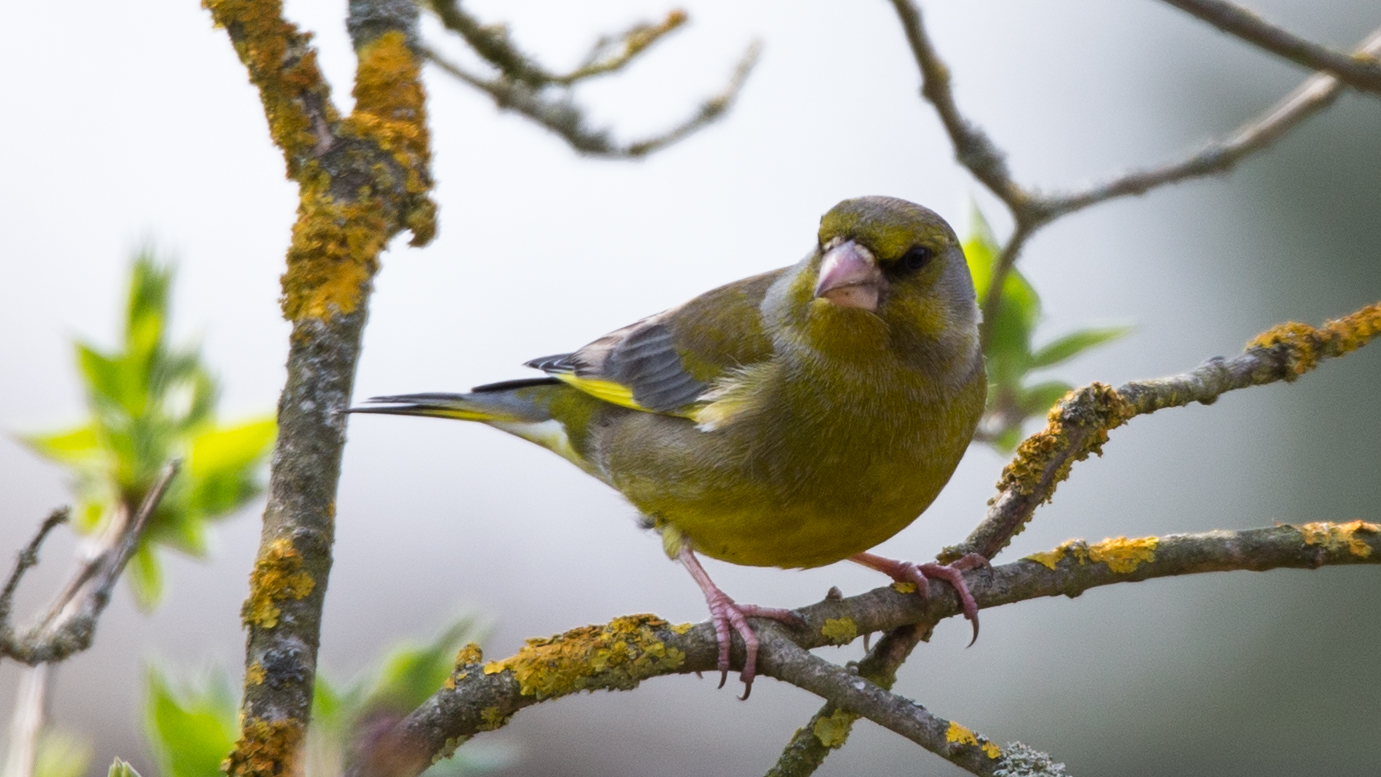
[(666, 363)]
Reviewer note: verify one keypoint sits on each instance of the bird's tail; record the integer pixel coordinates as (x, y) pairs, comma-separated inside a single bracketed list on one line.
[(541, 410), (514, 401)]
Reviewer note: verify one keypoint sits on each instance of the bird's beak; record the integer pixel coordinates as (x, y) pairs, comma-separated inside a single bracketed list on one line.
[(849, 277)]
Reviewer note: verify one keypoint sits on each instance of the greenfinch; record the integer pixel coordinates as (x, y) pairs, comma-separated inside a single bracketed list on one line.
[(791, 419)]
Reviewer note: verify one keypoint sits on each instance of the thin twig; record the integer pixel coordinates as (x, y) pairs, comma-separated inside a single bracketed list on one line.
[(557, 112), (69, 625), (29, 721), (1361, 72), (1219, 155), (28, 558)]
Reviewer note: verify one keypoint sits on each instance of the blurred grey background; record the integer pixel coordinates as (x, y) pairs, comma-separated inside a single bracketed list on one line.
[(132, 122)]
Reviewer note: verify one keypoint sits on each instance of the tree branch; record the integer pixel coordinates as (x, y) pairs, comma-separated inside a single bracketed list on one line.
[(526, 87), (69, 624), (361, 180), (621, 654), (1358, 71), (1032, 210), (1079, 425), (1220, 155), (562, 116)]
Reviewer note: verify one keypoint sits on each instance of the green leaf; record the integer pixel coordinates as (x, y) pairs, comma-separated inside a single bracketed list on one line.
[(145, 575), (108, 382), (121, 768), (1074, 343), (191, 729), (412, 673), (61, 755), (80, 446), (1038, 399)]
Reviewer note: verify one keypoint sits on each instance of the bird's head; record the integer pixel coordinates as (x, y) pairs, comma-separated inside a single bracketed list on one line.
[(886, 274)]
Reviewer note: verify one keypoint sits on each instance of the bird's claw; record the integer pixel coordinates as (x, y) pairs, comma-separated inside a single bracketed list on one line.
[(727, 614), (920, 574)]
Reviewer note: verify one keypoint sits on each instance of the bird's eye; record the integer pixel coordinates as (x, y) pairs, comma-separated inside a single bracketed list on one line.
[(916, 258)]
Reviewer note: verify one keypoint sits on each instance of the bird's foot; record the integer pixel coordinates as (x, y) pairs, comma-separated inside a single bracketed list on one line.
[(727, 615), (920, 574)]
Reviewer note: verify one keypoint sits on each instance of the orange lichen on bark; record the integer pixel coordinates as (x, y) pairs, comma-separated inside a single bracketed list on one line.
[(618, 655), (1309, 345), (1337, 536), (266, 748), (334, 253), (1093, 410), (1123, 555), (960, 735), (282, 64), (277, 575)]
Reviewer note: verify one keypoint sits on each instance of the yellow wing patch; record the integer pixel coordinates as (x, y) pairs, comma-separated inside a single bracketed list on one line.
[(607, 390)]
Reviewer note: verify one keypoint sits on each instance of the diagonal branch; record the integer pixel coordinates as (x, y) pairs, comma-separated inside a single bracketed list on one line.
[(1358, 71), (619, 655), (69, 624), (1219, 155), (1079, 425), (1031, 210)]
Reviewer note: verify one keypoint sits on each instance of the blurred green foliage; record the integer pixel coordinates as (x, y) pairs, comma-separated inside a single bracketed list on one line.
[(190, 727), (149, 403), (1013, 396)]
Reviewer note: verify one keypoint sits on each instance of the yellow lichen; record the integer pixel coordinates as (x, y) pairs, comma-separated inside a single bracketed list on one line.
[(1048, 558), (282, 64), (493, 718), (334, 253), (682, 628), (1337, 536), (618, 655), (1123, 555), (1046, 457), (840, 631), (904, 587), (390, 105), (1308, 345), (266, 748), (470, 654), (277, 576), (833, 731), (960, 735), (254, 675)]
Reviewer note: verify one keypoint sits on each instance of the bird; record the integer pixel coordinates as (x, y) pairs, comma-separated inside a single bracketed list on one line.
[(791, 419)]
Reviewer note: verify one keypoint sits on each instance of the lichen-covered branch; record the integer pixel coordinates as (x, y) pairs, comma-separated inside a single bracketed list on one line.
[(1358, 71), (482, 696), (1079, 424), (361, 180), (829, 728), (527, 88), (69, 624)]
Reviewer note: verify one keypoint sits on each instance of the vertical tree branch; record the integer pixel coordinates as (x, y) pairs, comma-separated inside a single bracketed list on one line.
[(361, 180)]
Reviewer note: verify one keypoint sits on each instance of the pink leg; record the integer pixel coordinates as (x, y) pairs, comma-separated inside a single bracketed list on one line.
[(907, 572), (726, 613)]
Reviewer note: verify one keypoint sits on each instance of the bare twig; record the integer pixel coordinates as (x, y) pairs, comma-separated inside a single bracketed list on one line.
[(525, 87), (30, 719), (1362, 72), (618, 656), (69, 624), (1220, 155), (1032, 210)]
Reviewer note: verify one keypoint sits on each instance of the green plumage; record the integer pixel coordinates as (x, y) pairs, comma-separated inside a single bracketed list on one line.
[(770, 422)]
